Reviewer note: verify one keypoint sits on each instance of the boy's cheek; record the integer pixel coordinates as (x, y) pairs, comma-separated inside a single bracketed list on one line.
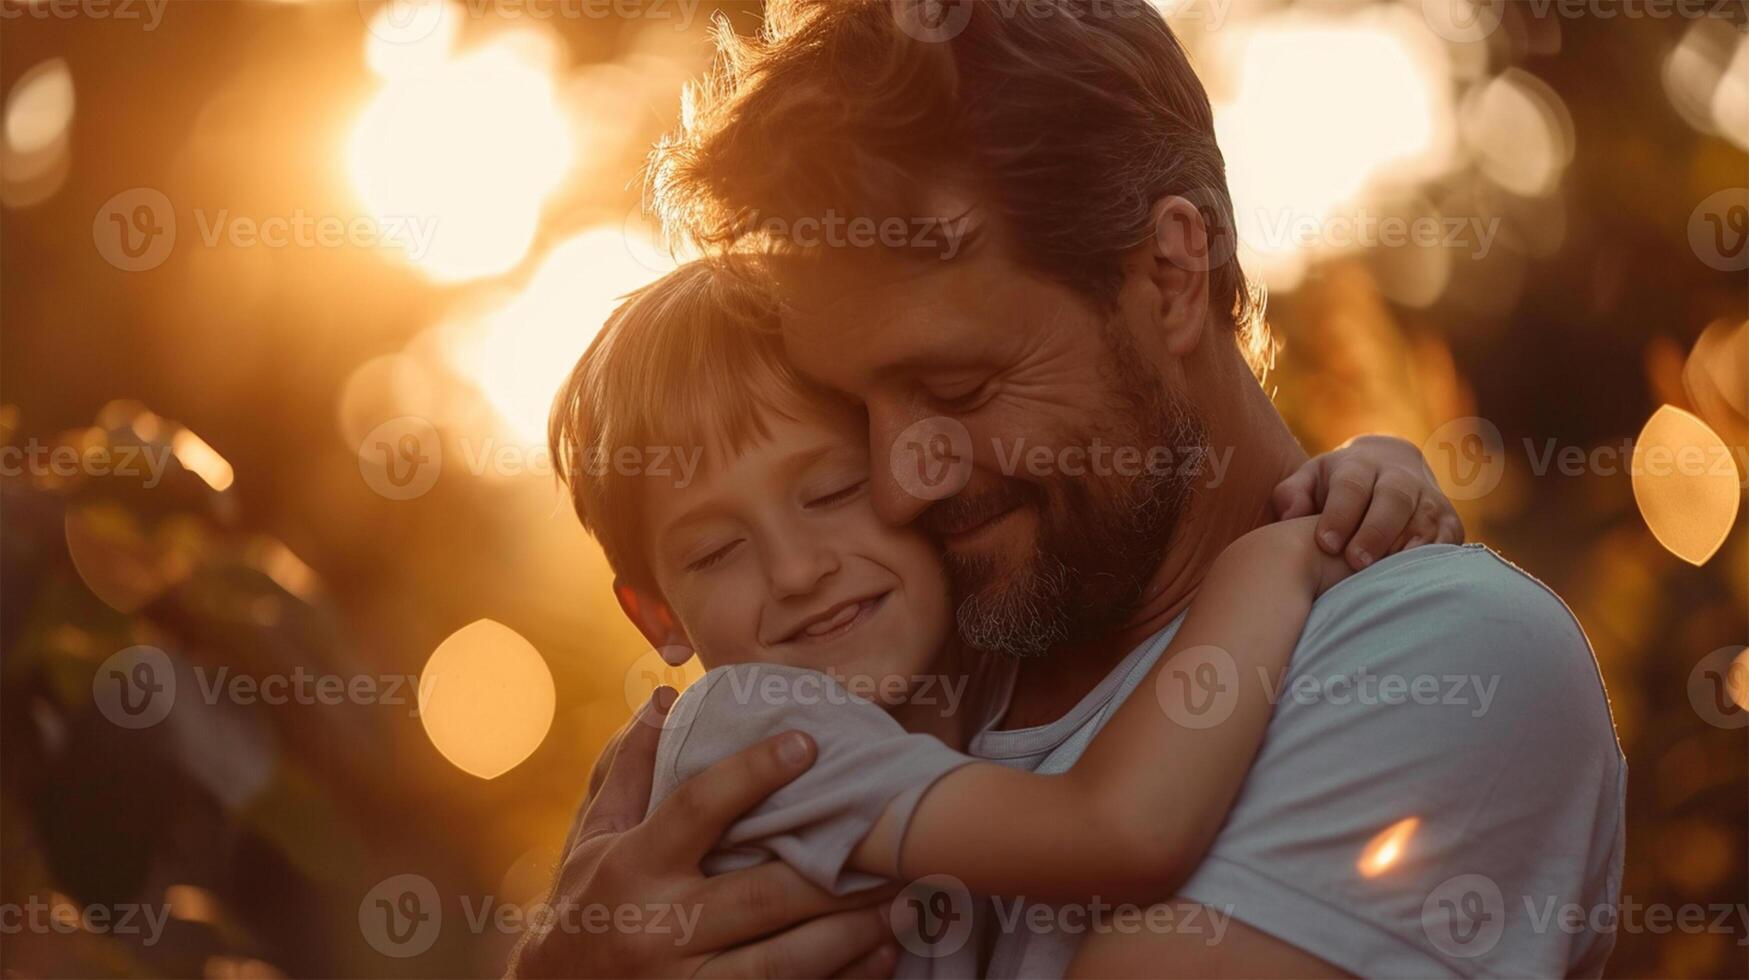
[(722, 619)]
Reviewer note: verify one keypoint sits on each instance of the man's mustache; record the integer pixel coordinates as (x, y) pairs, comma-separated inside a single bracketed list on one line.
[(968, 509)]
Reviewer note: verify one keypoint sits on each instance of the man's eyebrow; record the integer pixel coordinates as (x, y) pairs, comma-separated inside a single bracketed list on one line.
[(920, 362)]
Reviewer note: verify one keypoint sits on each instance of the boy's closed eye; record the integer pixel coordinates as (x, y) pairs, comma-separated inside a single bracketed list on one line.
[(713, 556), (829, 498)]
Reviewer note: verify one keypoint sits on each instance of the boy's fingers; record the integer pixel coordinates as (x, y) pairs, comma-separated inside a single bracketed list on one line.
[(1293, 497), (1394, 498), (1349, 492), (1424, 526), (1451, 530), (689, 823)]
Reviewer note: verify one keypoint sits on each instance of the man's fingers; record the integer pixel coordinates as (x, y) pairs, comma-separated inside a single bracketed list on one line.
[(1451, 530), (1294, 496), (1393, 505), (1345, 502), (624, 793), (817, 948), (690, 821), (877, 965), (742, 906)]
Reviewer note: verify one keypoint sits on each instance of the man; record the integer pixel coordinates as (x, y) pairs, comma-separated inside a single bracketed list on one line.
[(1043, 271)]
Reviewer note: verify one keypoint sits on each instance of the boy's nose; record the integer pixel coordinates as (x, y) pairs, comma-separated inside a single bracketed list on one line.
[(799, 561)]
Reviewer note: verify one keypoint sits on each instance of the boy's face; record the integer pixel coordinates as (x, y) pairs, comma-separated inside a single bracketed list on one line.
[(776, 555)]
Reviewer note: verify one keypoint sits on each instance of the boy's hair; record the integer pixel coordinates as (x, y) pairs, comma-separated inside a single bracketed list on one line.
[(1067, 119), (689, 363)]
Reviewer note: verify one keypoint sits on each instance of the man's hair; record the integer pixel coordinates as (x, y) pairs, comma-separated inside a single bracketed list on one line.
[(1066, 121), (690, 363)]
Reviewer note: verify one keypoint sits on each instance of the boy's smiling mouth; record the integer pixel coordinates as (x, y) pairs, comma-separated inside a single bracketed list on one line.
[(836, 620)]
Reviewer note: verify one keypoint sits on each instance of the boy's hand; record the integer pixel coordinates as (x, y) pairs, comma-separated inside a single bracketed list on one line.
[(1292, 541), (1382, 479)]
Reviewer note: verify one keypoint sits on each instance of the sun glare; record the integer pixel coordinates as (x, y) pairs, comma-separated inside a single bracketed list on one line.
[(472, 145), (1321, 111), (520, 354), (1384, 851)]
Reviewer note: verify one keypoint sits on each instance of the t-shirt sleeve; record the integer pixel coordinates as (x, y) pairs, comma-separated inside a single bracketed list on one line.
[(865, 763), (1440, 775)]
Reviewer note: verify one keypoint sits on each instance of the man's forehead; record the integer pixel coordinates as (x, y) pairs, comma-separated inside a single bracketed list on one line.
[(844, 336)]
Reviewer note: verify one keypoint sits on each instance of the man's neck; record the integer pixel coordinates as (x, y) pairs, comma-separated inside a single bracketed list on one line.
[(1264, 453)]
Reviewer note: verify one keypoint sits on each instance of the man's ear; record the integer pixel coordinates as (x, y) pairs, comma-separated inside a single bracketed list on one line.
[(1183, 251), (650, 613)]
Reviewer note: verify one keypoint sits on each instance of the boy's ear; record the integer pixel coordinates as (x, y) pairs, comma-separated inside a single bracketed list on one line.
[(651, 615)]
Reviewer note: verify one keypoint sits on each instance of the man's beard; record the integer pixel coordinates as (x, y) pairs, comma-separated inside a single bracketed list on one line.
[(1100, 538)]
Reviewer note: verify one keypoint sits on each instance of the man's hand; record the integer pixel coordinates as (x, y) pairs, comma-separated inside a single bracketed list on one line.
[(765, 921), (1382, 479)]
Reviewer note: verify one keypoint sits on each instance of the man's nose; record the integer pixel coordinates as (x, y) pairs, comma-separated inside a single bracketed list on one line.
[(799, 561), (902, 463)]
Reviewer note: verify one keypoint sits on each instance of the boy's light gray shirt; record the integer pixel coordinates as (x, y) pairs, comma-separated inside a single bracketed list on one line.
[(865, 763), (1441, 686)]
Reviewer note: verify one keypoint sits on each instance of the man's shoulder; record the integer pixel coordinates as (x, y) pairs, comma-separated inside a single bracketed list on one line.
[(1443, 592), (1453, 609)]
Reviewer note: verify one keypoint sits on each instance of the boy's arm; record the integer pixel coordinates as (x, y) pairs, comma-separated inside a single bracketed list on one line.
[(1135, 815), (1375, 495)]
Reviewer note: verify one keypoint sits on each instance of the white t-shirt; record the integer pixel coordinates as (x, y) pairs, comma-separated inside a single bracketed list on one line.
[(1440, 780)]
